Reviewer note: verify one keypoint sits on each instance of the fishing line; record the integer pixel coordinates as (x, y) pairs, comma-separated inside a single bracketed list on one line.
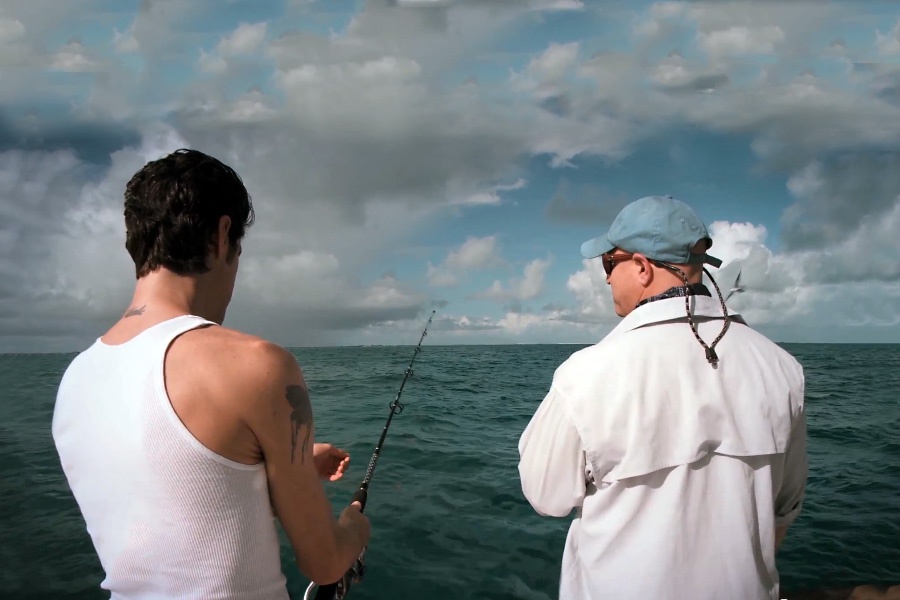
[(339, 589)]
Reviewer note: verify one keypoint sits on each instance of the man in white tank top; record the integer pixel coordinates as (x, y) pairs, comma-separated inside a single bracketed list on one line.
[(679, 439), (182, 439)]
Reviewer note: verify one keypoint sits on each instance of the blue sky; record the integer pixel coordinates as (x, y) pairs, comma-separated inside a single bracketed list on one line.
[(455, 154)]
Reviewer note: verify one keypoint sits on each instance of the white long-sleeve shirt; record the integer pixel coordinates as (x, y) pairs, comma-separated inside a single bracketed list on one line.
[(679, 472)]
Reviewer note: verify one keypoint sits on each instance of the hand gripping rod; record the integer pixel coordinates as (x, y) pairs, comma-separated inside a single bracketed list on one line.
[(339, 589)]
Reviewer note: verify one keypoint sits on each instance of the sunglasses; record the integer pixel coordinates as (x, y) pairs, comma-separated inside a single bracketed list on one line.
[(610, 261)]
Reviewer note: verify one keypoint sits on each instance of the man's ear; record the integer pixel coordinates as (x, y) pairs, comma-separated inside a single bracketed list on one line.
[(220, 237), (645, 273)]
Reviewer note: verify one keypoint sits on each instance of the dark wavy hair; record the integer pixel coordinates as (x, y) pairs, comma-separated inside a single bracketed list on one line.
[(172, 211)]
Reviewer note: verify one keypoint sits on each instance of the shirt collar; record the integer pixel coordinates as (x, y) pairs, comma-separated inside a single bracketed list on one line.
[(672, 309), (694, 289)]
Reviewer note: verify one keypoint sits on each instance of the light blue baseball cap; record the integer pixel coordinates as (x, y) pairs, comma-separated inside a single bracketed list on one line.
[(659, 227)]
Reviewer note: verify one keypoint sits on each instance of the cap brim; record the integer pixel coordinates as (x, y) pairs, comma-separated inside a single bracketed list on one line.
[(595, 247)]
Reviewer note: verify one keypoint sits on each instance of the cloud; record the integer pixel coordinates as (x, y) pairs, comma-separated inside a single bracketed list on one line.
[(674, 73), (125, 42), (246, 39), (585, 204), (799, 286), (11, 31), (464, 323), (527, 287), (355, 131), (69, 299), (491, 197), (74, 58), (888, 44), (836, 196), (701, 47), (545, 72), (593, 301), (474, 254), (742, 40)]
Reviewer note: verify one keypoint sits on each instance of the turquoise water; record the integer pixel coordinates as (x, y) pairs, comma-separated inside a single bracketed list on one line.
[(448, 519)]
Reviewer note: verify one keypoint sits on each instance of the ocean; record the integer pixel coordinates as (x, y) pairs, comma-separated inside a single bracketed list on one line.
[(448, 518)]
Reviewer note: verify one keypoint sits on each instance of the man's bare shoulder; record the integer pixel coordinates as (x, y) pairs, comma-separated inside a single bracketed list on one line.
[(236, 359)]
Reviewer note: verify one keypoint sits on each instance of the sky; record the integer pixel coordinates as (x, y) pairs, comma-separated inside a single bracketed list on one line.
[(405, 156)]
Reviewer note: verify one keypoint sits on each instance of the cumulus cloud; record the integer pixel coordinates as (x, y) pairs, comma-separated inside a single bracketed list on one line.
[(491, 197), (74, 58), (352, 140), (742, 40), (246, 39), (837, 196), (474, 254), (70, 297), (527, 287), (888, 44), (546, 72)]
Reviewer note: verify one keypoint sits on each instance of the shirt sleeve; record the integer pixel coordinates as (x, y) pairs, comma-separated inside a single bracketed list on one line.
[(789, 500), (551, 459)]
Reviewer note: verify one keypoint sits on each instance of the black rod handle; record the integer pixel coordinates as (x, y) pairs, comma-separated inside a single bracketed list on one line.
[(361, 495)]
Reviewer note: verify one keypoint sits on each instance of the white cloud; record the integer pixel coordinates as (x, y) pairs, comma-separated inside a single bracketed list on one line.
[(742, 40), (73, 58), (367, 135), (492, 196), (561, 5), (593, 300), (527, 287), (440, 277), (518, 323), (11, 30), (210, 62), (246, 39), (473, 255), (284, 289), (125, 42), (888, 44), (556, 61)]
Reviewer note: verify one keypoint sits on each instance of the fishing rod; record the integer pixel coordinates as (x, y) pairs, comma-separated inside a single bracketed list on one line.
[(339, 589)]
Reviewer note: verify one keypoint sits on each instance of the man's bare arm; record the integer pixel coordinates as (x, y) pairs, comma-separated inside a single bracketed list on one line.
[(282, 421), (301, 418), (780, 532)]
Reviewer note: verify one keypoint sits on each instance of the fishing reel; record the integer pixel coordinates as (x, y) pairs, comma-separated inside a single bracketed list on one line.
[(353, 575), (342, 587)]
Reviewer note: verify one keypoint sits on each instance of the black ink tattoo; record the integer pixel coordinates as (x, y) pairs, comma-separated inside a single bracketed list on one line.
[(301, 416), (133, 312)]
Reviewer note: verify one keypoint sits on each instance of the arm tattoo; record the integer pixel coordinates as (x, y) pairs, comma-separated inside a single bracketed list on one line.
[(133, 312), (301, 416)]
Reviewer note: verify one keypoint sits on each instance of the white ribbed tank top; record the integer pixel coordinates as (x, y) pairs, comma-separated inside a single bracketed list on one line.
[(168, 517)]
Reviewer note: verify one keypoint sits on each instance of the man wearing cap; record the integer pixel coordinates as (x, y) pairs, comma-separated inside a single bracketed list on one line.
[(680, 438)]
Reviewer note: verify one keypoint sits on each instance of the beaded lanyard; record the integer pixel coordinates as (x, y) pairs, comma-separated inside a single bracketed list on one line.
[(711, 355)]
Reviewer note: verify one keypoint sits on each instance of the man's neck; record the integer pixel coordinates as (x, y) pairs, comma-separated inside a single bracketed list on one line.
[(680, 291), (165, 295), (660, 285)]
